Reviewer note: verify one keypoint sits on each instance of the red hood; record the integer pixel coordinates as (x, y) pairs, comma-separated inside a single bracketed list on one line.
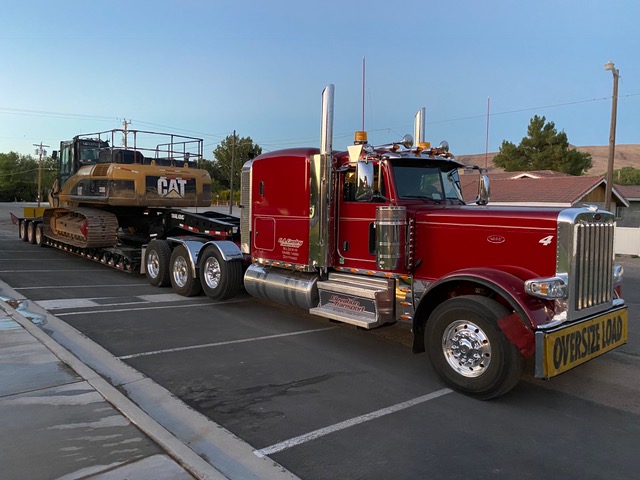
[(458, 237)]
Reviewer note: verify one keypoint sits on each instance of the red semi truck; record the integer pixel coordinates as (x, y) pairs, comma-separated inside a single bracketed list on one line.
[(379, 234), (376, 235)]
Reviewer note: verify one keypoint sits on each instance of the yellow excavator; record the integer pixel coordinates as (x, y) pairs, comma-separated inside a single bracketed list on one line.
[(108, 181), (123, 198)]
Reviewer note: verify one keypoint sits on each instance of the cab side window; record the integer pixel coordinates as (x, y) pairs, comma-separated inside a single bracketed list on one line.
[(349, 186)]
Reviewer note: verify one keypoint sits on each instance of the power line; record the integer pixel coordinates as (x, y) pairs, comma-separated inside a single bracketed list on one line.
[(565, 104), (44, 113), (27, 171), (287, 141)]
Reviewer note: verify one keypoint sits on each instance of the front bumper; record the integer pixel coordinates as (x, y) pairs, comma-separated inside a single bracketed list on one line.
[(567, 346)]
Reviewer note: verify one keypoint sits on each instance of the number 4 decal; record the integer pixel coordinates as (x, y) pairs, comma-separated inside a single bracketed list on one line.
[(546, 241)]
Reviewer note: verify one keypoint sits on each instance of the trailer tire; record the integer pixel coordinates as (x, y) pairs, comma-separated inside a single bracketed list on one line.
[(220, 279), (40, 236), (469, 351), (22, 230), (183, 281), (31, 232), (156, 259)]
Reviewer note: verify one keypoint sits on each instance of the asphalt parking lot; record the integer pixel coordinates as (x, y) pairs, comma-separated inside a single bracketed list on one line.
[(327, 400)]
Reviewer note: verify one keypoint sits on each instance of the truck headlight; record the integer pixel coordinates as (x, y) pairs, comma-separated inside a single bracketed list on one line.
[(549, 288), (618, 272)]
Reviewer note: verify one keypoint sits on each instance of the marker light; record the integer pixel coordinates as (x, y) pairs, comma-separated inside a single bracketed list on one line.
[(360, 137), (549, 288)]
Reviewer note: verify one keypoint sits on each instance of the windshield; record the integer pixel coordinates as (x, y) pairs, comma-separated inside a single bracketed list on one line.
[(89, 151), (427, 182)]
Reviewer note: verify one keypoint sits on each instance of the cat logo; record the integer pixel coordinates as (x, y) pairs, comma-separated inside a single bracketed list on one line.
[(171, 187)]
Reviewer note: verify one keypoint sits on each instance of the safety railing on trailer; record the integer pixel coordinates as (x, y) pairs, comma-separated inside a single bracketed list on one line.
[(166, 149)]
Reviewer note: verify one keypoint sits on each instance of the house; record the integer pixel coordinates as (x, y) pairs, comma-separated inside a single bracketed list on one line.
[(630, 217), (545, 188)]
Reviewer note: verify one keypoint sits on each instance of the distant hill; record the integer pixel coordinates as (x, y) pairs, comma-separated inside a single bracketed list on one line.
[(626, 156)]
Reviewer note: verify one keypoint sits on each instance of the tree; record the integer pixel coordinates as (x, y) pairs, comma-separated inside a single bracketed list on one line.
[(19, 177), (542, 149), (244, 150), (627, 176)]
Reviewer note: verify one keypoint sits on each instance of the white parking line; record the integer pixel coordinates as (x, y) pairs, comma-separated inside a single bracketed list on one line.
[(55, 270), (229, 342), (91, 302), (292, 442), (31, 253), (67, 303), (84, 286), (117, 310)]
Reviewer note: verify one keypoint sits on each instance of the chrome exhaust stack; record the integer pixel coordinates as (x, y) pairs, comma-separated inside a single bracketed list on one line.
[(419, 126), (321, 189), (326, 130)]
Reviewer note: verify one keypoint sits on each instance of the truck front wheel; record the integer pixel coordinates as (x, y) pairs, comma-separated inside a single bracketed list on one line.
[(468, 350), (183, 281), (220, 279), (156, 261)]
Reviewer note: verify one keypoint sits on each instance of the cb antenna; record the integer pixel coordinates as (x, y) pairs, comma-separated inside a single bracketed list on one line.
[(363, 77)]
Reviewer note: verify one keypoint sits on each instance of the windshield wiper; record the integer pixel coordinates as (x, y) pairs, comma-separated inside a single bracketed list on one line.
[(422, 197)]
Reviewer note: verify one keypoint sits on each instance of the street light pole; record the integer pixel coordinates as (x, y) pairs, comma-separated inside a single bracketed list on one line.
[(612, 133)]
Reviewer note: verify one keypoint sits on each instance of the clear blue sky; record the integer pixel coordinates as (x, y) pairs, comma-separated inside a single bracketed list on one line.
[(205, 68)]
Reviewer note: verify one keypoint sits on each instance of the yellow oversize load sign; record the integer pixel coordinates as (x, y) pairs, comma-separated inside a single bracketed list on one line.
[(578, 343)]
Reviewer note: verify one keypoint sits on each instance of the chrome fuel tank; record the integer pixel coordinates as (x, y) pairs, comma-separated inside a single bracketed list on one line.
[(286, 287)]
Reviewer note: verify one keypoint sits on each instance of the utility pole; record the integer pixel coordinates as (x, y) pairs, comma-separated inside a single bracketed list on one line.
[(125, 124), (612, 133), (233, 160), (40, 151)]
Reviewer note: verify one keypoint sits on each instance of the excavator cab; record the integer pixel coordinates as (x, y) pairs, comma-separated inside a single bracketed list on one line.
[(77, 153)]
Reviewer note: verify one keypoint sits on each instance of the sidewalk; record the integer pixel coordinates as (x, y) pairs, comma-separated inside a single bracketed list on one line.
[(56, 425)]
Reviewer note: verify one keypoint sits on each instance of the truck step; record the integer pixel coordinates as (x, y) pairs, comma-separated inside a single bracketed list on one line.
[(360, 319), (367, 302)]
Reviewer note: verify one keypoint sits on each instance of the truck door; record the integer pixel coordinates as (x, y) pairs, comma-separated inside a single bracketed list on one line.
[(356, 219), (66, 162)]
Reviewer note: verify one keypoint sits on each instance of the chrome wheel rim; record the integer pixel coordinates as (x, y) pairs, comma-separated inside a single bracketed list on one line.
[(180, 272), (153, 264), (466, 348), (212, 273), (38, 236)]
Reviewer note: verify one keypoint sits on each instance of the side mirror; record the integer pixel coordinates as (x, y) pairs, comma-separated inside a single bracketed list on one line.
[(364, 181), (54, 154), (483, 190)]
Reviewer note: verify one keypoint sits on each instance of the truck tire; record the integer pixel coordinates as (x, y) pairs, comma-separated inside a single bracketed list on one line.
[(31, 232), (39, 236), (156, 260), (22, 230), (183, 280), (468, 350), (220, 279)]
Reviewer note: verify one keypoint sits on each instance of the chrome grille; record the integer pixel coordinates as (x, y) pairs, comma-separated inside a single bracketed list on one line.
[(594, 264)]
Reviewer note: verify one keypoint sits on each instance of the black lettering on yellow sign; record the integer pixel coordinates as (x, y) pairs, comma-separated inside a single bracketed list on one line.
[(583, 343)]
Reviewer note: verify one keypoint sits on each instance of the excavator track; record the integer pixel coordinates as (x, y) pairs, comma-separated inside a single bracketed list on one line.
[(81, 227)]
